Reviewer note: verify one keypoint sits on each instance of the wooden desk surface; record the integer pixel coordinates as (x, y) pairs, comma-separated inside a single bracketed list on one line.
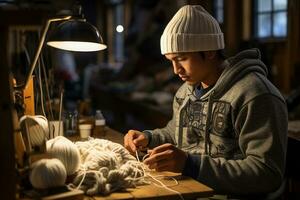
[(294, 130), (187, 187)]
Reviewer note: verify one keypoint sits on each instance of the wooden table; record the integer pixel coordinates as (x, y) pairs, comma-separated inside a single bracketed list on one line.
[(187, 187)]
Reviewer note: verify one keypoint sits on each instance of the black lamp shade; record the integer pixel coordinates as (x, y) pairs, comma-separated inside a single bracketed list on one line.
[(76, 35)]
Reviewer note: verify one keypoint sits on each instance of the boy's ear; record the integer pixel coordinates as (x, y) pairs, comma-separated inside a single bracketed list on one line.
[(210, 54)]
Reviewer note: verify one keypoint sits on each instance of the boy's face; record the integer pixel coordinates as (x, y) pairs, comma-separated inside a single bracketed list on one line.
[(190, 67)]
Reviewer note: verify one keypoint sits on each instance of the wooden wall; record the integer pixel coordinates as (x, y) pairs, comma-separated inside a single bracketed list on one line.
[(7, 155), (283, 54), (293, 47)]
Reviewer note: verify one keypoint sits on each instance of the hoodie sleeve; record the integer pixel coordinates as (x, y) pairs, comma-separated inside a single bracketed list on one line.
[(262, 128)]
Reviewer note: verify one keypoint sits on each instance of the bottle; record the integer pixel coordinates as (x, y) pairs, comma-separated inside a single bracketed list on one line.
[(99, 129), (70, 122)]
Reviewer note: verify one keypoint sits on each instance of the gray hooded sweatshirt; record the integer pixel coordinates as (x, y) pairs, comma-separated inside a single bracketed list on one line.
[(235, 134)]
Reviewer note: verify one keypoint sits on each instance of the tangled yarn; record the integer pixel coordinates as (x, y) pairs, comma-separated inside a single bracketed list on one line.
[(66, 151), (106, 167), (47, 173)]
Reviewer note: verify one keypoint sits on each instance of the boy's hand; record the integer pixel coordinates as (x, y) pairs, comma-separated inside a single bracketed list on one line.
[(135, 139), (166, 157)]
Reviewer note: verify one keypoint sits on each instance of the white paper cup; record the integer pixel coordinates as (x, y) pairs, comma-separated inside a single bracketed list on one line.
[(85, 130)]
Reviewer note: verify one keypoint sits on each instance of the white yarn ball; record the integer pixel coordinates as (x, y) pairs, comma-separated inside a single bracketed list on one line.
[(48, 173), (66, 151), (38, 128)]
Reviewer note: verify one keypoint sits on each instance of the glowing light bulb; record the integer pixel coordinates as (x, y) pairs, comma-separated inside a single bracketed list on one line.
[(120, 28)]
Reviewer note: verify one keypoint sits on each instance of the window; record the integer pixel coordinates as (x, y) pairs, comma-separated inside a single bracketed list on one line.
[(271, 18), (219, 10)]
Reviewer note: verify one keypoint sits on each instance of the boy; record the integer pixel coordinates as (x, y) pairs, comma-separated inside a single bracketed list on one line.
[(229, 125)]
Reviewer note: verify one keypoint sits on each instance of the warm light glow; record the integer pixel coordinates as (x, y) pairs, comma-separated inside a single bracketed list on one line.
[(77, 46), (120, 28)]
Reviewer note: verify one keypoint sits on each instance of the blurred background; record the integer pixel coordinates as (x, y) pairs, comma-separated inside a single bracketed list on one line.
[(131, 82)]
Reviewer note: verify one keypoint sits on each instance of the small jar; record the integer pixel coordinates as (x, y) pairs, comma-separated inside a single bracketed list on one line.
[(70, 123)]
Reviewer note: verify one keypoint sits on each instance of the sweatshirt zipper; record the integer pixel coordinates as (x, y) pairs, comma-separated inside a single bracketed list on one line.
[(180, 123), (208, 125)]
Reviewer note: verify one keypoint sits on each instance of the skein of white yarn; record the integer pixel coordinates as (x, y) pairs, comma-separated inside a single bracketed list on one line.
[(48, 173), (66, 151), (104, 159), (106, 167), (38, 129)]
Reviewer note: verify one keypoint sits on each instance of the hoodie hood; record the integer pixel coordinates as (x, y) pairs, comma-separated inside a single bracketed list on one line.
[(236, 67)]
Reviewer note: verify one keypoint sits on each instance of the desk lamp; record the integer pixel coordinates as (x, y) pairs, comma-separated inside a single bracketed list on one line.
[(74, 34)]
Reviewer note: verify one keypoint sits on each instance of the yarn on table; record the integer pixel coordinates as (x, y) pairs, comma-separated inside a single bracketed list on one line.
[(66, 151), (106, 167), (47, 173)]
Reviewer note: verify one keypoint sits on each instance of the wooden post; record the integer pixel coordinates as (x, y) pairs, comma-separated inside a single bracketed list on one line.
[(233, 25), (8, 120)]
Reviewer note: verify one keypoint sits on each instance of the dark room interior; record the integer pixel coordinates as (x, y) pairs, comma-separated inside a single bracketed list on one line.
[(130, 82)]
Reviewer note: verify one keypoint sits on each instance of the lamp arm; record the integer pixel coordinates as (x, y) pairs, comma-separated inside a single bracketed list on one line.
[(41, 43)]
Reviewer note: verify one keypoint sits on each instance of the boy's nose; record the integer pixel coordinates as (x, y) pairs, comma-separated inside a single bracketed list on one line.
[(177, 67)]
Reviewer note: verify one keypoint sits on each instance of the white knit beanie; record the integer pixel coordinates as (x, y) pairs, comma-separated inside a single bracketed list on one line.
[(191, 29)]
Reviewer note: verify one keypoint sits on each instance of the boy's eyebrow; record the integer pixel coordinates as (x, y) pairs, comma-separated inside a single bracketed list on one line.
[(176, 56)]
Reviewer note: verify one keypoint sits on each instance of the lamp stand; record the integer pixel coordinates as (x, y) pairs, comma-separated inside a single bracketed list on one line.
[(41, 43), (28, 88)]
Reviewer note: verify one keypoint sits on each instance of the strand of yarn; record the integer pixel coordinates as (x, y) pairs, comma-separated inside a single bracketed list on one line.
[(47, 173), (38, 129), (106, 167), (161, 184), (66, 151), (146, 169)]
